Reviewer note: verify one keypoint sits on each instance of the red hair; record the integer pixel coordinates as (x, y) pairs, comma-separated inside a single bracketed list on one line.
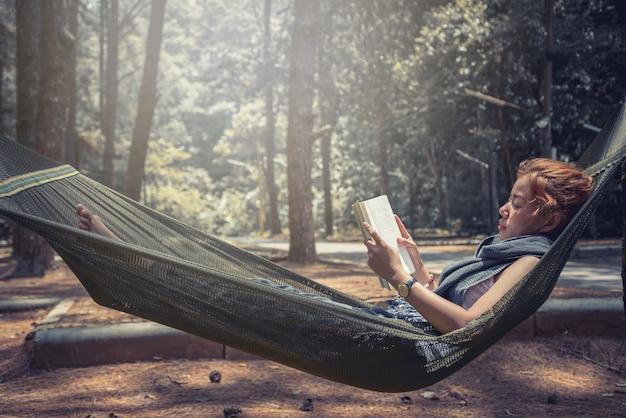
[(557, 187)]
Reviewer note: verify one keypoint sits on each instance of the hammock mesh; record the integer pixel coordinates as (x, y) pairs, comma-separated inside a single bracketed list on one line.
[(173, 274)]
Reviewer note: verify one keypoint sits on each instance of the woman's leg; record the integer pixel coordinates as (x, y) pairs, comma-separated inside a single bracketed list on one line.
[(92, 223)]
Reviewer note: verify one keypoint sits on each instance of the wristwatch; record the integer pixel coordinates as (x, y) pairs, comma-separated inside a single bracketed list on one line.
[(405, 288)]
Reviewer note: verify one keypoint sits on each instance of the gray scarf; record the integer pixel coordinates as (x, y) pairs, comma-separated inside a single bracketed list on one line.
[(491, 257)]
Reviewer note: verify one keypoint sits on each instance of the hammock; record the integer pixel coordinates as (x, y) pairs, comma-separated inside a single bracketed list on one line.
[(173, 274)]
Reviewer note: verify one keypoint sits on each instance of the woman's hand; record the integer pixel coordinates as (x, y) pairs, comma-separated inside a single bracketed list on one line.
[(384, 259), (407, 242)]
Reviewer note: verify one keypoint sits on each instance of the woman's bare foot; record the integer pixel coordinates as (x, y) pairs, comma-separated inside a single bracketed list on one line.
[(92, 223)]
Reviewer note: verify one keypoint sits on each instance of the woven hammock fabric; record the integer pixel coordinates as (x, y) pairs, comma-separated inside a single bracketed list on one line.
[(173, 274)]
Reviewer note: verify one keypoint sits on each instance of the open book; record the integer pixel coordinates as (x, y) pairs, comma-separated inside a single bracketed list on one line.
[(378, 213)]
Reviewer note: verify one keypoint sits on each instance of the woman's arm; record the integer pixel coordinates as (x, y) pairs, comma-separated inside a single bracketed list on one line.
[(447, 316), (441, 313)]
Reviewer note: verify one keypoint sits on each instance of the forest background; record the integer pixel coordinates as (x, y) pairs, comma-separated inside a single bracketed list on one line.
[(272, 117)]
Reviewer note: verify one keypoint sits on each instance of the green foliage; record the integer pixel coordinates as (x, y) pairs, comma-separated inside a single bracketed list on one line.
[(389, 70)]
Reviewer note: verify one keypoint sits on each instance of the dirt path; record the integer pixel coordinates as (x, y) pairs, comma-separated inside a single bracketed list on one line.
[(564, 376)]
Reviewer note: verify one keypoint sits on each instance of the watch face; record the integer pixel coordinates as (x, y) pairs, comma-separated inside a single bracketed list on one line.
[(403, 290)]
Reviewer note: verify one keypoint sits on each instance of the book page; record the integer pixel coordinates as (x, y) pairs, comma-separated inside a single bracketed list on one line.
[(382, 220)]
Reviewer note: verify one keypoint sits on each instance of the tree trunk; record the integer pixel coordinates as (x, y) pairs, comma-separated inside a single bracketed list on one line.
[(328, 103), (71, 153), (101, 54), (299, 131), (55, 44), (328, 198), (55, 48), (384, 171), (147, 103), (27, 69), (546, 133), (27, 80), (270, 129), (432, 164), (110, 94)]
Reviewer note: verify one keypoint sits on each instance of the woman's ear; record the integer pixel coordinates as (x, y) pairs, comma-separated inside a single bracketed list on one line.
[(553, 222)]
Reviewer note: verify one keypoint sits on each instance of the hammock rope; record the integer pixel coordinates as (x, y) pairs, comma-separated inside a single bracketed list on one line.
[(173, 274)]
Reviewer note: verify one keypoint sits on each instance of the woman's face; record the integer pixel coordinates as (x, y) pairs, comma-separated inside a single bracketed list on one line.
[(517, 214)]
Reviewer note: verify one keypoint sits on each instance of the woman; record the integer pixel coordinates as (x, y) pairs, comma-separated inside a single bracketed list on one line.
[(545, 196)]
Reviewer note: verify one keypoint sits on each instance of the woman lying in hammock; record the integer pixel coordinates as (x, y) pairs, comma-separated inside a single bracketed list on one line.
[(543, 199), (545, 196)]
